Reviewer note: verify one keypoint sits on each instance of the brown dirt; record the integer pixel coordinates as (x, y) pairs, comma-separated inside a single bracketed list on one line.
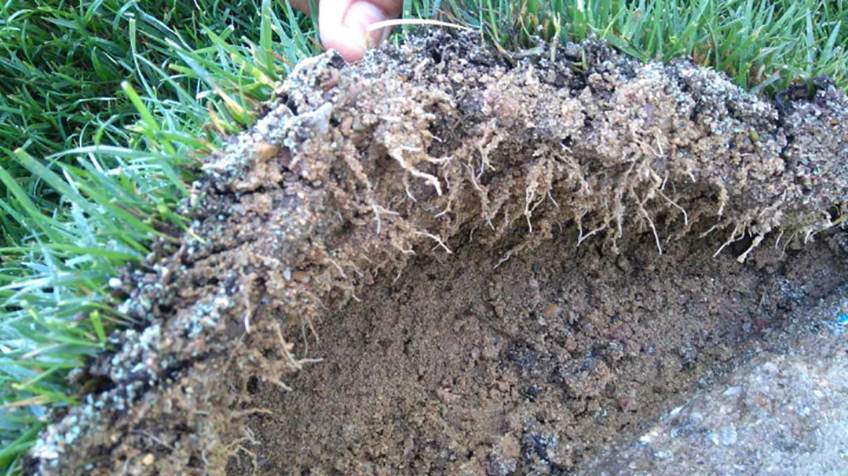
[(419, 212), (531, 367), (783, 412)]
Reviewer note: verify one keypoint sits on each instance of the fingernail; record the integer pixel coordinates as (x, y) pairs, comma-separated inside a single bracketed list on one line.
[(362, 14)]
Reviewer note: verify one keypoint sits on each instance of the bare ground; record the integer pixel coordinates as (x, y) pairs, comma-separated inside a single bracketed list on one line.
[(420, 213), (533, 367), (783, 413)]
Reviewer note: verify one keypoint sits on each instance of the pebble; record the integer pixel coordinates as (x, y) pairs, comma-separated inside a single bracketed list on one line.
[(727, 435), (550, 311), (265, 151)]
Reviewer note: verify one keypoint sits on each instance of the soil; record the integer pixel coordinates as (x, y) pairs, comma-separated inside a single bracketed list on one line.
[(531, 367), (782, 413), (505, 263)]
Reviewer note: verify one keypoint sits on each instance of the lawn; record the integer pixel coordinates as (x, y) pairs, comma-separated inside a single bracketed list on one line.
[(108, 108)]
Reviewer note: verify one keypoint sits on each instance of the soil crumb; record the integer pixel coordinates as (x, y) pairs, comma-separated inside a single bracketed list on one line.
[(509, 262), (532, 367)]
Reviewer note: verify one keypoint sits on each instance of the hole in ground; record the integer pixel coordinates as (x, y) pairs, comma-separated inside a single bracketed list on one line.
[(534, 366)]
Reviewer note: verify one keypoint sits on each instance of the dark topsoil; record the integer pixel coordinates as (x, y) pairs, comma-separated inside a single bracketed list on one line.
[(505, 266)]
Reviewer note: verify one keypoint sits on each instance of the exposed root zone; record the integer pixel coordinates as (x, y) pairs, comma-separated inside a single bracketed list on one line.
[(356, 169)]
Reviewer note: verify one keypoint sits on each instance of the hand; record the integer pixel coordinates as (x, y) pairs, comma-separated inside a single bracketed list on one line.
[(343, 23)]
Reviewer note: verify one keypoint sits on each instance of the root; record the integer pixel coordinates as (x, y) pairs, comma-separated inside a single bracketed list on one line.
[(237, 446), (489, 141), (153, 439), (338, 267), (653, 229), (248, 304), (439, 242), (730, 240), (723, 198), (581, 237), (504, 259), (675, 205), (757, 240), (248, 313), (539, 176), (777, 241), (397, 154), (252, 411), (285, 349), (378, 210)]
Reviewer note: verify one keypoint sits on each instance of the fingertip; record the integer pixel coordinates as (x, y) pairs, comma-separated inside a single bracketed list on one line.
[(363, 14), (349, 43), (348, 33)]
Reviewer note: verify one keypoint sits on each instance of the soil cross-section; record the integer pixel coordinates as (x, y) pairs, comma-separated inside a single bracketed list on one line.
[(671, 216)]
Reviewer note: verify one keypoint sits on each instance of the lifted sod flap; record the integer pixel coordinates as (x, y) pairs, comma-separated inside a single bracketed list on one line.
[(414, 156)]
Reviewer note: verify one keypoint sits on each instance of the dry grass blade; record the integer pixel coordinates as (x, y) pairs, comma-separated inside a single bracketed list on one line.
[(414, 22)]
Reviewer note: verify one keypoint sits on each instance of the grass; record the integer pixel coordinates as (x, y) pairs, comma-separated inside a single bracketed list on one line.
[(762, 44), (108, 106)]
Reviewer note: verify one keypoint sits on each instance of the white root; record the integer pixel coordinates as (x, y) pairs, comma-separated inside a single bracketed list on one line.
[(504, 259), (777, 242), (730, 240), (247, 315), (430, 179), (710, 230), (653, 229), (378, 210), (581, 237), (551, 197), (723, 199), (285, 348), (405, 181), (675, 205), (338, 267), (407, 251), (437, 239), (741, 258)]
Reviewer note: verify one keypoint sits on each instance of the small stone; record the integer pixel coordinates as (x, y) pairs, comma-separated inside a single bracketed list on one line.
[(446, 396), (770, 367), (623, 264), (265, 151), (346, 125), (115, 283), (733, 391), (727, 435), (625, 402), (148, 459), (550, 311), (663, 454), (490, 352), (650, 436)]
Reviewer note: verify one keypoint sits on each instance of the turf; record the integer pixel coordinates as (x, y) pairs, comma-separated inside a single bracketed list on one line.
[(107, 108)]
